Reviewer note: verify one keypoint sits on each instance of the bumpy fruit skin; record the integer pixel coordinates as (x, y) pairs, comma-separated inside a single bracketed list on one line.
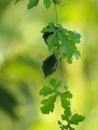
[(49, 65), (56, 1)]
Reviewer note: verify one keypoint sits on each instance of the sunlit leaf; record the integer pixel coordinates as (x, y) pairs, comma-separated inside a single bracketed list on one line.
[(63, 127), (46, 91), (52, 40), (74, 36), (48, 104), (50, 35), (55, 36), (66, 115), (55, 83), (64, 99), (46, 35), (76, 119), (68, 46)]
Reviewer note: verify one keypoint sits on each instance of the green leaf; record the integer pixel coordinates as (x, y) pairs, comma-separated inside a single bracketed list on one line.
[(50, 35), (55, 36), (63, 127), (45, 91), (48, 104), (49, 28), (66, 115), (64, 99), (46, 35), (67, 94), (59, 122), (74, 36), (76, 119), (47, 3), (68, 40), (53, 40), (68, 46), (49, 65), (64, 102), (70, 128), (32, 3), (55, 83)]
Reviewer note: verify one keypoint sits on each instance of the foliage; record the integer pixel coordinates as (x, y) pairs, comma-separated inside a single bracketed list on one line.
[(64, 42), (65, 96), (55, 36), (71, 119)]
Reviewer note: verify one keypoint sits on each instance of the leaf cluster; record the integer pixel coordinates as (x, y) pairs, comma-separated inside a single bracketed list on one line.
[(54, 91), (64, 41), (55, 36), (71, 119), (48, 104)]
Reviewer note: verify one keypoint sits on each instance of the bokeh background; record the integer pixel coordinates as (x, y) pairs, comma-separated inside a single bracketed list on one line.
[(22, 51)]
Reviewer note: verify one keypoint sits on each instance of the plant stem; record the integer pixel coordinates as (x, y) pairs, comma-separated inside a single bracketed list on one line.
[(63, 71), (56, 14)]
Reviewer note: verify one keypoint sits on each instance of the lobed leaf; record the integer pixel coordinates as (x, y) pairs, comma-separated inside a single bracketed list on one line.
[(64, 99), (66, 115), (53, 40), (68, 46), (67, 94), (64, 102), (55, 83), (56, 36), (48, 104), (63, 127), (74, 36), (76, 119), (50, 35), (46, 91)]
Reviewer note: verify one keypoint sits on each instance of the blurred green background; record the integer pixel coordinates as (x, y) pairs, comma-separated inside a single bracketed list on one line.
[(22, 51)]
